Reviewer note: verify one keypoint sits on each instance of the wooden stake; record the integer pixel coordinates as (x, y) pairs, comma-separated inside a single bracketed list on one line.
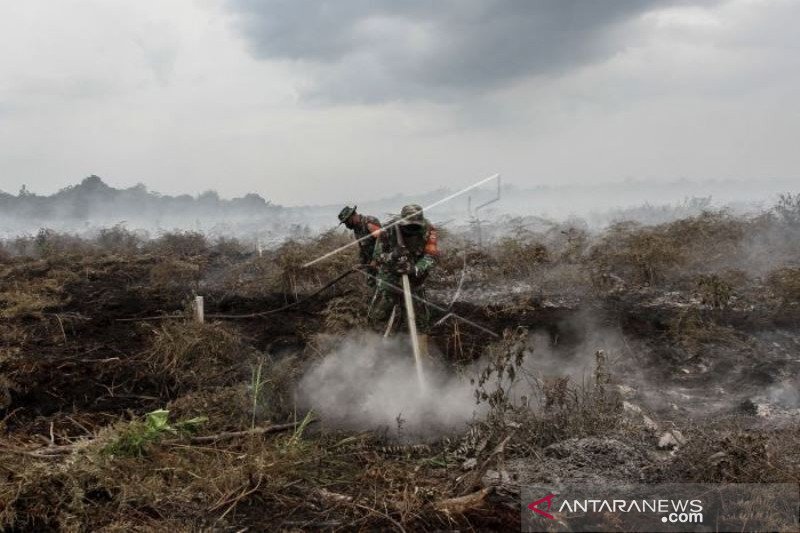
[(199, 309)]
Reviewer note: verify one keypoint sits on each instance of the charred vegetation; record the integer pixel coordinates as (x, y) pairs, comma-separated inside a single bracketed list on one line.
[(118, 411)]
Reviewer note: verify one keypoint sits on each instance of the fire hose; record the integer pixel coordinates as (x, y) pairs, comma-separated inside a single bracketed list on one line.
[(411, 317)]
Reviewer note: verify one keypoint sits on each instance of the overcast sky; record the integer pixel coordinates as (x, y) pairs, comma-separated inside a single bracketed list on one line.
[(317, 102)]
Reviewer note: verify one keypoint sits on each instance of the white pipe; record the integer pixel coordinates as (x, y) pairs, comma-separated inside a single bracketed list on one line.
[(412, 329)]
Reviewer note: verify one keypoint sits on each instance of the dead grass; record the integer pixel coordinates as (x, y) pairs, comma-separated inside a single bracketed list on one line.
[(345, 313), (16, 303), (292, 478), (27, 293), (227, 407), (727, 451), (191, 356)]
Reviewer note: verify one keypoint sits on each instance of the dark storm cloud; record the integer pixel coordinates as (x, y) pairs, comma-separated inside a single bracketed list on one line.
[(390, 49)]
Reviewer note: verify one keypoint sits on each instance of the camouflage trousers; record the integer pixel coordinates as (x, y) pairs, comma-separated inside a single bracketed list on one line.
[(389, 296), (372, 274)]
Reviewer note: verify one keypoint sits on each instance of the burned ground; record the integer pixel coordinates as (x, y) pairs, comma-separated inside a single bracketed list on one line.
[(640, 353)]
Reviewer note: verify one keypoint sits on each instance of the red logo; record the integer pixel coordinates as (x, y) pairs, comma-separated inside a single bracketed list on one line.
[(535, 506)]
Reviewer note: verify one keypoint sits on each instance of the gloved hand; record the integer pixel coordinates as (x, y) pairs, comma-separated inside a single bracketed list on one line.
[(402, 266), (392, 257), (398, 254)]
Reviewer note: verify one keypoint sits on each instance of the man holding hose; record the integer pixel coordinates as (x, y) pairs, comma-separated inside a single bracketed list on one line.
[(409, 247)]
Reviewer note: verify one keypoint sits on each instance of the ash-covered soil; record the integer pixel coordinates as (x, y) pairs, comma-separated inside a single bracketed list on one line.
[(664, 353)]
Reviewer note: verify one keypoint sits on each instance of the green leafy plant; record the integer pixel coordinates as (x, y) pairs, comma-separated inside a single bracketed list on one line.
[(294, 441), (257, 383), (136, 439)]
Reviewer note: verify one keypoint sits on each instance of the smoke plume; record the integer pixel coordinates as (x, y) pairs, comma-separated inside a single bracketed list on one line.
[(370, 382)]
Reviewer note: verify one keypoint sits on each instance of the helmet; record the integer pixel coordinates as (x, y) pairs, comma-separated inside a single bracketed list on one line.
[(411, 214), (346, 213)]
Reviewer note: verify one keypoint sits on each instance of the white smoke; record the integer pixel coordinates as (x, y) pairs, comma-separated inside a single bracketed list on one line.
[(785, 393), (369, 382)]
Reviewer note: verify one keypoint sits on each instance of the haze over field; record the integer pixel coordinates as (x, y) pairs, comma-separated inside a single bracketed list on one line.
[(92, 204)]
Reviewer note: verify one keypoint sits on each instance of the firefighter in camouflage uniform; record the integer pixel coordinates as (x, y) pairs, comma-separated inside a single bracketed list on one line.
[(409, 247), (367, 230)]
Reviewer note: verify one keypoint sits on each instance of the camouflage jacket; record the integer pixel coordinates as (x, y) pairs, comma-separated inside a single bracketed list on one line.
[(368, 225), (423, 248)]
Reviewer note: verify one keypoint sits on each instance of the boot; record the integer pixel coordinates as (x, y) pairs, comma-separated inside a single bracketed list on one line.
[(423, 345)]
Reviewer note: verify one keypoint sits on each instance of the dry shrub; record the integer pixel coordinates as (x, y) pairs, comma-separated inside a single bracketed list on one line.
[(119, 240), (709, 236), (569, 241), (259, 276), (693, 332), (638, 255), (281, 270), (292, 255), (175, 273), (452, 250), (190, 355), (49, 243), (658, 254), (516, 257), (573, 411), (555, 410), (785, 283), (180, 243), (230, 247), (714, 291), (787, 210)]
